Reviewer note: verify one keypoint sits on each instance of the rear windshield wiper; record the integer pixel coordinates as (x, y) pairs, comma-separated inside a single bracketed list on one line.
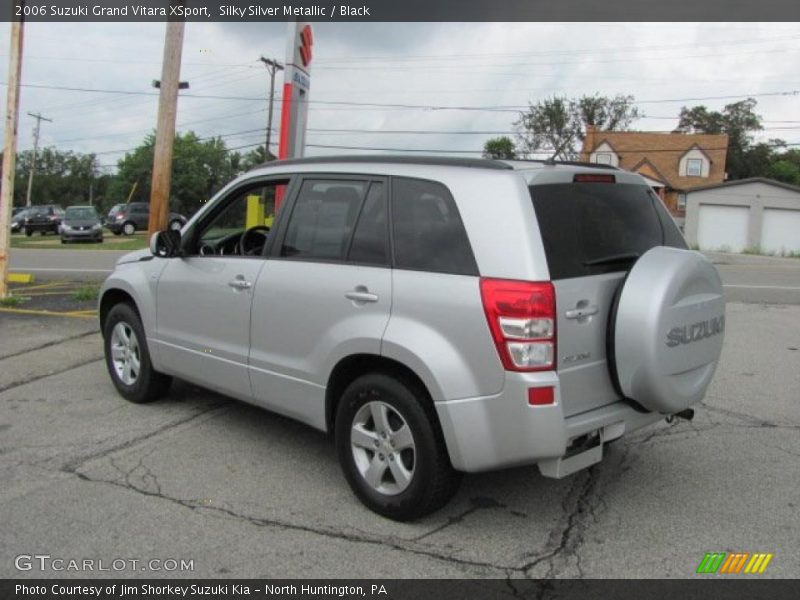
[(610, 259)]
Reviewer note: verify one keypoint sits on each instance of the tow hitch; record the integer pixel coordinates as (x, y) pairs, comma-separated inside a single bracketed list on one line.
[(686, 415)]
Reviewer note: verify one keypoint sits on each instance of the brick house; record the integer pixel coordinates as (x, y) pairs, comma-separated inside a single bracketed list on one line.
[(672, 163)]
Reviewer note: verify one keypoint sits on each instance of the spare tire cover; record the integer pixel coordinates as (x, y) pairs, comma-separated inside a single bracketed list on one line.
[(670, 323)]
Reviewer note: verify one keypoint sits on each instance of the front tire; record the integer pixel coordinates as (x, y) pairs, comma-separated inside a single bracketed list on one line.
[(127, 357), (391, 448)]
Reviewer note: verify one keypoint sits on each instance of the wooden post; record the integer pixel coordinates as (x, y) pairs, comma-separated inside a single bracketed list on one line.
[(10, 150), (165, 129)]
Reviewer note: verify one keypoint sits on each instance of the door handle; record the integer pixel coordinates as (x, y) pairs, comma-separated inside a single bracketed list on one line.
[(240, 283), (583, 311), (361, 294)]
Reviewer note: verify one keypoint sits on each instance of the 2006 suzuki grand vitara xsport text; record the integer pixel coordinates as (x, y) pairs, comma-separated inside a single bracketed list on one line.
[(436, 315)]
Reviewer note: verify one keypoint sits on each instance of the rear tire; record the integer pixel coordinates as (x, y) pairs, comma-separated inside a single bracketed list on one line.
[(28, 232), (129, 228), (406, 473), (127, 357)]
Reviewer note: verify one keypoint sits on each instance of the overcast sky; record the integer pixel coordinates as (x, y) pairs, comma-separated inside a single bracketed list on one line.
[(439, 65)]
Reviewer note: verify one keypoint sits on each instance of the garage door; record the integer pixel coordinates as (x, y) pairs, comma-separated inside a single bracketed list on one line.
[(780, 231), (722, 227)]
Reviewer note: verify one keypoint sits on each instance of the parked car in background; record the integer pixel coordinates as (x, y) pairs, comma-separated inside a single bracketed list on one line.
[(18, 218), (44, 219), (133, 217), (81, 223), (15, 210)]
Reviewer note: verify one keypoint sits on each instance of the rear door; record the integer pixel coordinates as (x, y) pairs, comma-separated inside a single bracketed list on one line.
[(593, 232), (324, 293)]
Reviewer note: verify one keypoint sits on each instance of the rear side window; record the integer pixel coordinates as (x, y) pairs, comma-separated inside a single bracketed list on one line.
[(369, 238), (322, 219), (428, 232), (593, 228)]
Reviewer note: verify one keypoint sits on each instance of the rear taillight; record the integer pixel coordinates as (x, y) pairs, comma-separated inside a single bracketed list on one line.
[(522, 319)]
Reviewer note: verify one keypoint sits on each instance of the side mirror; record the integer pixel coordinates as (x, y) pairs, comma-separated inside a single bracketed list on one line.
[(166, 244)]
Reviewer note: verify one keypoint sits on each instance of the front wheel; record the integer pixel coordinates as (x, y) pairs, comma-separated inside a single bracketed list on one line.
[(127, 357), (391, 448)]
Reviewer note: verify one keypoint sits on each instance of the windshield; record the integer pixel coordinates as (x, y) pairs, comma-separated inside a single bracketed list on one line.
[(80, 213)]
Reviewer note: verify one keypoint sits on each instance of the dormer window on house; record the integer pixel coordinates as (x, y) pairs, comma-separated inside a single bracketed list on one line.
[(604, 154), (694, 163), (603, 158), (694, 167)]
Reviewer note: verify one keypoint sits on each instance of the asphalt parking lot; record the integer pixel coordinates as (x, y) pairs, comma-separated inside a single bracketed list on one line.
[(245, 493)]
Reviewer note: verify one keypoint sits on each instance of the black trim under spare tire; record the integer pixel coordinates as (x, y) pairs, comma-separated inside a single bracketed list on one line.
[(434, 481), (149, 384)]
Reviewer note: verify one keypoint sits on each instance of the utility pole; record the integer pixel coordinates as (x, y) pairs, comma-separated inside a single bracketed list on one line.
[(39, 118), (10, 149), (165, 128), (273, 66)]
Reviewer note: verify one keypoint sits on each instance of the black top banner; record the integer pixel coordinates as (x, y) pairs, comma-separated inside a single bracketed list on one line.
[(402, 10)]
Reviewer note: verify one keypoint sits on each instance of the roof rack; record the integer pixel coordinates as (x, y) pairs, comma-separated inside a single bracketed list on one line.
[(574, 163), (444, 161)]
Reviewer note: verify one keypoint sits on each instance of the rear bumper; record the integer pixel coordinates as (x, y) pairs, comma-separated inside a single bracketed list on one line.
[(42, 227), (503, 430)]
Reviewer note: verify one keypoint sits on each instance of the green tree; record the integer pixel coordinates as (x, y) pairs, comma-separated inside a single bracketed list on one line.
[(739, 121), (199, 169), (61, 177), (557, 125), (786, 167), (255, 157), (500, 147)]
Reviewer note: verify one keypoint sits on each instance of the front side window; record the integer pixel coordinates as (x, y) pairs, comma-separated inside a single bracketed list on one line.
[(694, 167), (428, 232), (322, 219), (239, 225)]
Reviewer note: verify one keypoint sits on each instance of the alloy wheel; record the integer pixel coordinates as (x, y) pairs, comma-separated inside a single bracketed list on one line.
[(383, 448)]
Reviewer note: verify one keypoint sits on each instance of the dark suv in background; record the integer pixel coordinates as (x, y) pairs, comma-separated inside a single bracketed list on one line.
[(133, 217), (44, 219)]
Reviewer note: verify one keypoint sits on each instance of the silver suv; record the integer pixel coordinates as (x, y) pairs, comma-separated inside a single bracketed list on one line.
[(437, 316)]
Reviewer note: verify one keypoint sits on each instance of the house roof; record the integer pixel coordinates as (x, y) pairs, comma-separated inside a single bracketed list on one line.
[(780, 184), (663, 152)]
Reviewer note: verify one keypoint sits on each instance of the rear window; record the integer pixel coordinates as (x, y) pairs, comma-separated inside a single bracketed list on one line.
[(593, 228), (428, 232)]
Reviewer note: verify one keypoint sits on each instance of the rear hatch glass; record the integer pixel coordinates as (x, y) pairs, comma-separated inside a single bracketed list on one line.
[(594, 228)]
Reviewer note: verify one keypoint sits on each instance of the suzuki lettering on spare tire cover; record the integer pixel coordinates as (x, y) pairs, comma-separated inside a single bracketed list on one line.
[(670, 323)]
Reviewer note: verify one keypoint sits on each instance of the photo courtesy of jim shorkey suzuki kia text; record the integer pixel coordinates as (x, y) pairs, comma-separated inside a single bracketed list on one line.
[(375, 590)]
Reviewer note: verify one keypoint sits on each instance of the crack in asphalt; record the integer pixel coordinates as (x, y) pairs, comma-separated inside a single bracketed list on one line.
[(567, 536), (49, 344), (193, 505), (76, 463), (16, 384)]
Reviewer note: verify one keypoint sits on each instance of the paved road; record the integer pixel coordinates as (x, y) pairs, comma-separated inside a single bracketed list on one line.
[(64, 264), (243, 492), (746, 278)]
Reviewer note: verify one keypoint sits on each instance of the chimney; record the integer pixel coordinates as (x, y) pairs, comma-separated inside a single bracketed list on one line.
[(588, 142)]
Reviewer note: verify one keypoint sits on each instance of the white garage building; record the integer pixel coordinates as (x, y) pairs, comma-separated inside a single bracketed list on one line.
[(755, 213)]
